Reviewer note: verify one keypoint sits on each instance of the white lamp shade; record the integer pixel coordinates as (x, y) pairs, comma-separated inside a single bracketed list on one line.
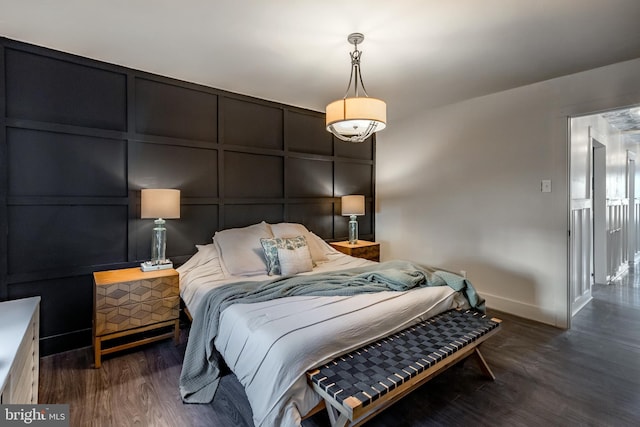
[(349, 116), (160, 203), (352, 205)]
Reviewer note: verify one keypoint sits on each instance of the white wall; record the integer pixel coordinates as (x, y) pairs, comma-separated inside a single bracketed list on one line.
[(459, 186)]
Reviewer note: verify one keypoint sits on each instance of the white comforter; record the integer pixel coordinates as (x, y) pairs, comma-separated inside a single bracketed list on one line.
[(269, 346)]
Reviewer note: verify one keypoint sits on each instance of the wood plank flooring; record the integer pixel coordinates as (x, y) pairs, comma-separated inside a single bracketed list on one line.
[(586, 376)]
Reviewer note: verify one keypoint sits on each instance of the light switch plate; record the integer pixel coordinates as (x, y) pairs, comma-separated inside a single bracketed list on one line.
[(545, 186)]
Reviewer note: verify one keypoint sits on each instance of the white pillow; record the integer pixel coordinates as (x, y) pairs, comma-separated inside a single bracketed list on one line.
[(241, 251), (322, 246), (294, 261), (271, 246), (208, 250), (292, 229), (205, 254)]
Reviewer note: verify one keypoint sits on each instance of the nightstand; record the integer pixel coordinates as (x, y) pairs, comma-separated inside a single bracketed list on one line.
[(128, 302), (362, 249)]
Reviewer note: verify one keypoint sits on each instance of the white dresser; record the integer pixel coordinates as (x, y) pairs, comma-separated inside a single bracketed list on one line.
[(19, 350)]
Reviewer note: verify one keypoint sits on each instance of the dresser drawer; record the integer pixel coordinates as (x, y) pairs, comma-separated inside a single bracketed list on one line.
[(361, 249), (371, 253), (19, 351), (118, 294), (24, 379), (134, 315)]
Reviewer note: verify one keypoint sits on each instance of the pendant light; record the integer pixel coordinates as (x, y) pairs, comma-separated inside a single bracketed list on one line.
[(356, 118)]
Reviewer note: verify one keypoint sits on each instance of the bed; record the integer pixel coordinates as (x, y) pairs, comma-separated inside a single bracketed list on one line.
[(270, 343)]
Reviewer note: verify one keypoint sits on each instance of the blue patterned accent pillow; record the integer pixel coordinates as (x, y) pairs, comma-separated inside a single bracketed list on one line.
[(271, 247)]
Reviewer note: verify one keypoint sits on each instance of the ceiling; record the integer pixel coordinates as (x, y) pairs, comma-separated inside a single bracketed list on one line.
[(416, 53), (627, 121)]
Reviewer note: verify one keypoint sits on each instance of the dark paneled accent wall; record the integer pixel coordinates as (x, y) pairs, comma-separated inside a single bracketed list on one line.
[(79, 139)]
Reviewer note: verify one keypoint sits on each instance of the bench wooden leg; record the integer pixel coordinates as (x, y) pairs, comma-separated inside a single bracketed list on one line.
[(337, 419), (484, 367)]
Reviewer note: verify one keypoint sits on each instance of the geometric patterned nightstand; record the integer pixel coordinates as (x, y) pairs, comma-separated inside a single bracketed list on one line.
[(361, 249), (130, 301)]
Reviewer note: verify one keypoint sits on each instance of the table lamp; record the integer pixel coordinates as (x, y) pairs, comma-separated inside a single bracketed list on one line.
[(353, 206), (160, 204)]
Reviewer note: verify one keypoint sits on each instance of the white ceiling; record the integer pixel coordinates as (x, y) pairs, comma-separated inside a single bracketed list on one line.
[(627, 121), (416, 53)]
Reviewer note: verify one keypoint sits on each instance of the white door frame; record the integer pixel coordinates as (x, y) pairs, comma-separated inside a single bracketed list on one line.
[(599, 200), (631, 191)]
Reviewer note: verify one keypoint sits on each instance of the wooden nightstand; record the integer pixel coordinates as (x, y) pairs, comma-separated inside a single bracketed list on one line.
[(362, 249), (130, 301)]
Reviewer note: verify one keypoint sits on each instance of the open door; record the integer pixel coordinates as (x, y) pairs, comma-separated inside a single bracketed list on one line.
[(599, 201), (631, 194), (588, 224)]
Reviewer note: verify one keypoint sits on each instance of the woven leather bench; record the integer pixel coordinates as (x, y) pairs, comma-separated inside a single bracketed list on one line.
[(360, 384)]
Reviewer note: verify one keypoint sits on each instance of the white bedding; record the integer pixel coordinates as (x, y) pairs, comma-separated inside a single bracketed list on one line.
[(270, 345), (204, 271)]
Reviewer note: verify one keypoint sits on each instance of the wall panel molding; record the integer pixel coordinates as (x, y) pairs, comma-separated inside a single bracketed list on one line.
[(4, 166), (170, 110), (80, 138), (48, 89)]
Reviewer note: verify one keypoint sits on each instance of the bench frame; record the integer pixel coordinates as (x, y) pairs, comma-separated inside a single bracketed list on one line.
[(351, 413)]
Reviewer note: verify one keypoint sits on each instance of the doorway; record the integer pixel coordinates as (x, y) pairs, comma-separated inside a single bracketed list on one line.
[(603, 218)]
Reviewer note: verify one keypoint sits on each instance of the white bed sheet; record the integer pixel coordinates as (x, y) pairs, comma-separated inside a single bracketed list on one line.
[(270, 345)]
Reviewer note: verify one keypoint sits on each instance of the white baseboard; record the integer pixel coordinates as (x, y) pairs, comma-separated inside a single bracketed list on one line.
[(520, 309), (580, 304)]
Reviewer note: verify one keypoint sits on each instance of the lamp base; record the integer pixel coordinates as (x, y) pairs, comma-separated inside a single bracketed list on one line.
[(150, 266), (353, 230)]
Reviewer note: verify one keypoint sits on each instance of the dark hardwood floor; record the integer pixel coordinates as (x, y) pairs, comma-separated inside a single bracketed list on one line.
[(586, 376)]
